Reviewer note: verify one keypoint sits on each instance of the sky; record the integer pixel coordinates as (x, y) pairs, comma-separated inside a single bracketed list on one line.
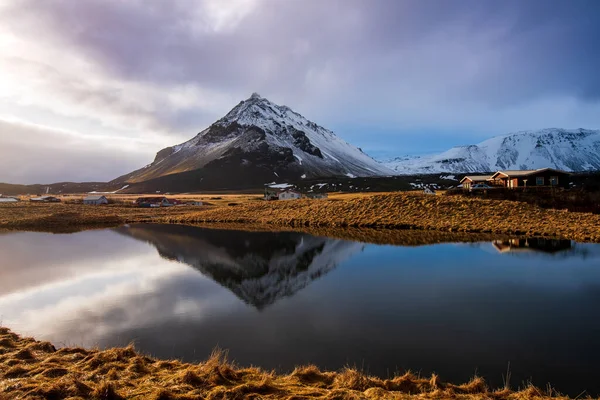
[(92, 89)]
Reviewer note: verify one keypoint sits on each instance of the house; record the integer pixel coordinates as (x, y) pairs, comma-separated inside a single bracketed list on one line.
[(95, 200), (289, 195), (531, 178), (45, 199), (428, 191), (471, 180), (151, 202), (8, 200), (195, 203)]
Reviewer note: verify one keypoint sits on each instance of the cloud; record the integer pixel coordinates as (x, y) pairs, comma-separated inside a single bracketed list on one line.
[(37, 154), (169, 69)]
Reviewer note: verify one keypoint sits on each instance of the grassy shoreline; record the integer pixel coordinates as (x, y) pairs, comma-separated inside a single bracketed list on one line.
[(30, 369), (392, 211)]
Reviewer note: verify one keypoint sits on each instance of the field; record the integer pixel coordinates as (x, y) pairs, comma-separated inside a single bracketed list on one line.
[(37, 370), (392, 211)]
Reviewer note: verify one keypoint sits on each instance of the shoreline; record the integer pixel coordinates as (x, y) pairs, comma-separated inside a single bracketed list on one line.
[(398, 212), (34, 369), (377, 236)]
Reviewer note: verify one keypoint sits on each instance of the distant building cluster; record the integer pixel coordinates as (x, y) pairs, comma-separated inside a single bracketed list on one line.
[(161, 201), (281, 193)]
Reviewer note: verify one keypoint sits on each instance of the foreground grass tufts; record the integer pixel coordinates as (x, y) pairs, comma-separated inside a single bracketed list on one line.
[(42, 372)]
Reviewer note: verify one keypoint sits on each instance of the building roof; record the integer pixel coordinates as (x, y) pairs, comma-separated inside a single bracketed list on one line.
[(476, 178), (92, 198), (519, 173), (150, 199), (8, 200)]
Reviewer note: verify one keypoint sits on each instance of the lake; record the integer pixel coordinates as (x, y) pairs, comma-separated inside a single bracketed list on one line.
[(277, 300)]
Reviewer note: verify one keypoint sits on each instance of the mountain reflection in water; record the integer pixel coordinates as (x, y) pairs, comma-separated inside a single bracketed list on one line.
[(259, 267)]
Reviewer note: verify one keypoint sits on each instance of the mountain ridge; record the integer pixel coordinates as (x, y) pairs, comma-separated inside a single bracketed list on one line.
[(574, 150)]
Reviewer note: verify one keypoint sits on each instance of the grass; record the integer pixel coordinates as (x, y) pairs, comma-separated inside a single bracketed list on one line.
[(392, 211), (31, 369)]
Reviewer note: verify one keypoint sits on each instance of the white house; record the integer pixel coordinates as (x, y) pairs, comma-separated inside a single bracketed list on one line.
[(95, 200), (289, 195), (8, 200)]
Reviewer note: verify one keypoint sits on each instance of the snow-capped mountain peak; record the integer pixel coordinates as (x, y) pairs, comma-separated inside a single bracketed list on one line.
[(565, 149), (273, 140)]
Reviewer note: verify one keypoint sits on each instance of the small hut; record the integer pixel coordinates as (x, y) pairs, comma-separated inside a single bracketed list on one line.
[(45, 199), (95, 200)]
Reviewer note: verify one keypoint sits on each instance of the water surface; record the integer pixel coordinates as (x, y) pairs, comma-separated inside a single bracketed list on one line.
[(281, 299)]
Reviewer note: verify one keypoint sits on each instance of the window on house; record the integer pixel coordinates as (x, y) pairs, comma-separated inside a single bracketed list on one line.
[(539, 181), (554, 180)]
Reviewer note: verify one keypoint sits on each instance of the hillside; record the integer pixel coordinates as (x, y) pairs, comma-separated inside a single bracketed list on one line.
[(9, 189)]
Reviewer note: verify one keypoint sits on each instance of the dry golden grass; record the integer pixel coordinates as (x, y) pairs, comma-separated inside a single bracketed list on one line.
[(36, 370), (70, 217), (389, 211), (129, 199), (406, 211)]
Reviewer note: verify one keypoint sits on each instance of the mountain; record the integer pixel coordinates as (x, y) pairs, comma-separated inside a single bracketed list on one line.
[(9, 189), (565, 149), (258, 267), (257, 142)]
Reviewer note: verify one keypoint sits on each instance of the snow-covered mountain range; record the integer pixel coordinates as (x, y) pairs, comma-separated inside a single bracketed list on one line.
[(565, 149), (265, 141)]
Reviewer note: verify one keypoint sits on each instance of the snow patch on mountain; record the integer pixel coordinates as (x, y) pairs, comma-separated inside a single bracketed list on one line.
[(565, 149)]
